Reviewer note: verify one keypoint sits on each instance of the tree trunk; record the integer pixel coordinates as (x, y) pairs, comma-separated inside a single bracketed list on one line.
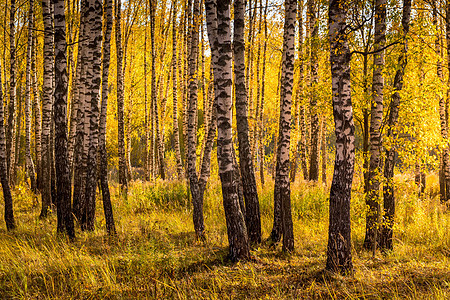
[(197, 196), (314, 27), (388, 189), (219, 28), (324, 150), (92, 112), (28, 159), (299, 95), (37, 114), (103, 159), (176, 132), (263, 91), (10, 155), (120, 101), (9, 213), (252, 217), (63, 197), (376, 118), (82, 127), (47, 104), (154, 98), (282, 188), (339, 257)]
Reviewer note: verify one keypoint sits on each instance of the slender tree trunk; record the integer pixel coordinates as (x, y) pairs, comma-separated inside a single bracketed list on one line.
[(263, 91), (12, 94), (388, 189), (253, 217), (376, 118), (339, 257), (282, 190), (15, 164), (146, 127), (47, 104), (314, 27), (324, 150), (120, 101), (176, 132), (28, 159), (37, 115), (103, 159), (197, 196), (299, 95), (82, 125), (9, 213), (154, 99), (365, 128)]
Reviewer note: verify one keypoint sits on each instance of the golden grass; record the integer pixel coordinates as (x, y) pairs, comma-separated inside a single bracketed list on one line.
[(155, 254)]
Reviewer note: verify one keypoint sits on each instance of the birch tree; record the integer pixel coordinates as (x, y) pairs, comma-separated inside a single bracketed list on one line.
[(339, 258), (4, 180), (47, 103), (28, 158), (103, 159), (376, 118), (64, 191), (219, 33), (282, 189), (252, 213)]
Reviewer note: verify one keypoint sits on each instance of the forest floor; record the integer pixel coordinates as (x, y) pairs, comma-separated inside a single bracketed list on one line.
[(155, 253)]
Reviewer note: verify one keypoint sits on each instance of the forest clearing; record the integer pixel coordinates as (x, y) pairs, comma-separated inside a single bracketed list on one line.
[(203, 149)]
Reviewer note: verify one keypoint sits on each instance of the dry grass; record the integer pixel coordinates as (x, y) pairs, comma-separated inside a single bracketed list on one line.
[(155, 254)]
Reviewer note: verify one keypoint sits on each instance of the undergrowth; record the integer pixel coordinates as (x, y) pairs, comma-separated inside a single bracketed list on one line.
[(155, 253)]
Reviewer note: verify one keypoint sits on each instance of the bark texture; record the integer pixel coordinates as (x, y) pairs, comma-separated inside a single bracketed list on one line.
[(63, 184), (103, 159), (252, 213), (282, 193), (28, 159), (339, 257), (314, 67), (47, 103), (9, 213), (120, 101)]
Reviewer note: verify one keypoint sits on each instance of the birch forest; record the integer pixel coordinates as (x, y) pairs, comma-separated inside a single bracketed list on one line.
[(204, 149)]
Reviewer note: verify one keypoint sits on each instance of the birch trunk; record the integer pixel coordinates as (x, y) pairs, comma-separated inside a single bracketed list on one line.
[(339, 257), (314, 141), (28, 158), (47, 103), (176, 132), (94, 48), (120, 101), (376, 118), (9, 213), (253, 216), (103, 159), (63, 196), (219, 31), (10, 144), (37, 115), (282, 189)]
